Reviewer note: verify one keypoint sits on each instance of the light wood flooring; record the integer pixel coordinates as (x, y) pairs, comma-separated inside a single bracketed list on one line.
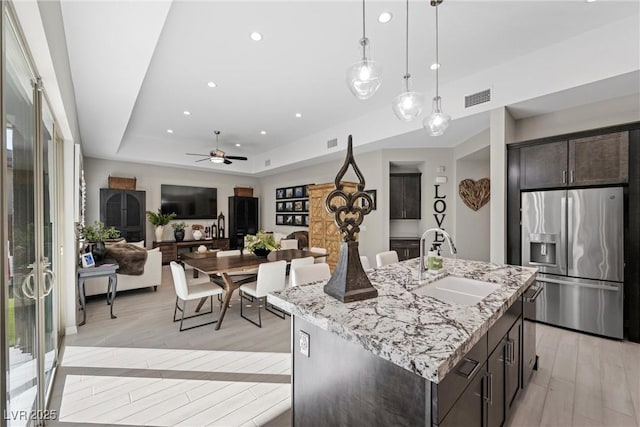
[(139, 370)]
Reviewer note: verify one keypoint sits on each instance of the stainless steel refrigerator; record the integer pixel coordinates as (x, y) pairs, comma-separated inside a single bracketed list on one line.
[(576, 239)]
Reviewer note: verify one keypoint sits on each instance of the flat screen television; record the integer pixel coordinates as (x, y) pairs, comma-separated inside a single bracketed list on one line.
[(189, 202)]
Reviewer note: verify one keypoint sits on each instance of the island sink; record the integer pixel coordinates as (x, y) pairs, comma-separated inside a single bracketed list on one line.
[(457, 290)]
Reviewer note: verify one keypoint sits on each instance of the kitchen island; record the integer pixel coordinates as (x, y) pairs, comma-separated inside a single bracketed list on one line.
[(406, 358)]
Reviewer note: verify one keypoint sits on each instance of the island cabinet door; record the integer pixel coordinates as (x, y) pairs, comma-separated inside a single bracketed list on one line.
[(469, 410), (494, 394)]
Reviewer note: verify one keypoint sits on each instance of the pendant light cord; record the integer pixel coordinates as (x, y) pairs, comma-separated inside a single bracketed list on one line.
[(364, 34), (406, 74), (364, 40), (437, 58)]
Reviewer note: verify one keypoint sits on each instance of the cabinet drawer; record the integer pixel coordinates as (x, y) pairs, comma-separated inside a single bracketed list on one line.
[(502, 326), (447, 392)]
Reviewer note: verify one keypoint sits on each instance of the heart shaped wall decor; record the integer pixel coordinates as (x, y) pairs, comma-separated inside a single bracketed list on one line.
[(475, 194)]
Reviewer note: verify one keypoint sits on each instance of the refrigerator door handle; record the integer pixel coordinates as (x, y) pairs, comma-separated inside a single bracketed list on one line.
[(580, 284), (568, 214)]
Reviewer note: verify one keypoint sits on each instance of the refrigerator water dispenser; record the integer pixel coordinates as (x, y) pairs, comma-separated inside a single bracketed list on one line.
[(542, 250)]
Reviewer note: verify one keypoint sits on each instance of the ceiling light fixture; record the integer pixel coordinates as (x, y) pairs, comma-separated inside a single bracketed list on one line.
[(298, 115), (256, 36), (237, 145), (385, 17), (216, 158), (408, 105), (211, 84), (263, 132), (438, 121), (435, 66), (187, 113), (365, 76), (169, 130)]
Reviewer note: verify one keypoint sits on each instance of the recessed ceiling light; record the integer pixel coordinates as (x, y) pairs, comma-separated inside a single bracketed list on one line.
[(256, 36), (385, 17), (211, 84), (237, 145), (298, 115), (169, 130), (187, 113), (263, 132), (434, 66), (590, 1)]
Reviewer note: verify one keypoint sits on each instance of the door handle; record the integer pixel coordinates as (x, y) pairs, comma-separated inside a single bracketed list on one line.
[(511, 355), (49, 279), (27, 285), (564, 177), (572, 176), (582, 285), (538, 291), (489, 394)]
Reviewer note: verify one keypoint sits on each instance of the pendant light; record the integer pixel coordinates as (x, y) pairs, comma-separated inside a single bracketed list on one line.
[(408, 105), (365, 76), (438, 121)]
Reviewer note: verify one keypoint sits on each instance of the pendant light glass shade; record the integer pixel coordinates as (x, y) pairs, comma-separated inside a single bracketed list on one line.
[(438, 121), (364, 78), (408, 105)]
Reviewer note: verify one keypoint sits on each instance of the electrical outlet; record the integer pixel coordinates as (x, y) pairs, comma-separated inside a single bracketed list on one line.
[(303, 342)]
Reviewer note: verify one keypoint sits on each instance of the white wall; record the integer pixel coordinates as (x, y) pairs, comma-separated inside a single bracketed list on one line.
[(591, 116), (150, 177)]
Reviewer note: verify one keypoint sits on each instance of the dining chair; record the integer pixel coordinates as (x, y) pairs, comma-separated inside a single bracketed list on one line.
[(193, 291), (311, 273), (271, 277), (297, 263), (322, 259), (288, 244), (365, 262), (388, 257)]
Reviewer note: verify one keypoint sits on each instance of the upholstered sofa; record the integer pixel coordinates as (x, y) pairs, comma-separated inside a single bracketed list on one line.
[(152, 277)]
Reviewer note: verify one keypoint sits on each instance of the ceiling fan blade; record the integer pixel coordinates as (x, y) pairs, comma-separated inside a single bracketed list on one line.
[(202, 160), (236, 157), (227, 162), (194, 154)]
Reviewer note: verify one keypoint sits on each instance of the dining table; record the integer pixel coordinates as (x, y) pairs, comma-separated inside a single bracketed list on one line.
[(219, 269)]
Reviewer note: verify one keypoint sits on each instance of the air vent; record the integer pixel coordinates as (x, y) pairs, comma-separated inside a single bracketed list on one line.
[(332, 143), (267, 162), (477, 98)]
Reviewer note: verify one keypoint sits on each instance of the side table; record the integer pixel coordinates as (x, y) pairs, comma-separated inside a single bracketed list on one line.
[(104, 270)]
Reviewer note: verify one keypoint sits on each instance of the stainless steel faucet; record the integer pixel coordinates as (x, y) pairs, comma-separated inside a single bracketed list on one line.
[(452, 248)]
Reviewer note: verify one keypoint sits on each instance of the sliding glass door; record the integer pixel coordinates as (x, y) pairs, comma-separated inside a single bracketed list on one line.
[(29, 212)]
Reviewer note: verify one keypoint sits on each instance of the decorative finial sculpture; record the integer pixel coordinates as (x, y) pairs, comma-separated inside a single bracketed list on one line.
[(349, 282)]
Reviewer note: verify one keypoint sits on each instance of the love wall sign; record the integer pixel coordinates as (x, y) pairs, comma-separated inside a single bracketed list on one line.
[(475, 194)]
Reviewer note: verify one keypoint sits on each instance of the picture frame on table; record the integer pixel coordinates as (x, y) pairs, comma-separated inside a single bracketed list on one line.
[(279, 219), (373, 195), (88, 260), (288, 193), (279, 193)]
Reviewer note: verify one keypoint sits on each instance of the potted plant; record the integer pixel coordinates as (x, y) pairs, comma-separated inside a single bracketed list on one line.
[(159, 220), (178, 231), (96, 234), (261, 244)]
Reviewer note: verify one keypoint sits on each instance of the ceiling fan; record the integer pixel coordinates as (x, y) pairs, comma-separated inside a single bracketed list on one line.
[(217, 155)]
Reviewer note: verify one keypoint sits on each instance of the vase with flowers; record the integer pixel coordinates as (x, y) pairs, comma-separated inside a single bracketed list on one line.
[(159, 220), (261, 244)]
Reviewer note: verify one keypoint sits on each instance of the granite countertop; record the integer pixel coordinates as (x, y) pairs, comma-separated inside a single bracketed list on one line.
[(419, 333)]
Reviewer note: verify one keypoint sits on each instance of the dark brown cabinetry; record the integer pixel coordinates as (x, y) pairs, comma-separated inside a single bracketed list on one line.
[(124, 210), (595, 160), (243, 219), (470, 408), (405, 192), (406, 248)]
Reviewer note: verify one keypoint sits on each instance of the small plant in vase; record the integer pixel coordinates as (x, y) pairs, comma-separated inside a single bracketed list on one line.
[(261, 244), (178, 231), (96, 234), (159, 220)]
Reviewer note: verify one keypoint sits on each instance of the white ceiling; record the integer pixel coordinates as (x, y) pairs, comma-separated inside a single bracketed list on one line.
[(137, 65)]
